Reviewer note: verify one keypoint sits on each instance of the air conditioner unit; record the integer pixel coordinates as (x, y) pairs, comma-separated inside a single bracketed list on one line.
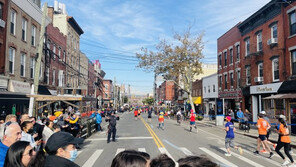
[(2, 23), (272, 41), (258, 79)]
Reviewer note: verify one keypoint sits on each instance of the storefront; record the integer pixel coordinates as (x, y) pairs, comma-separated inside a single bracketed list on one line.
[(232, 100), (258, 93)]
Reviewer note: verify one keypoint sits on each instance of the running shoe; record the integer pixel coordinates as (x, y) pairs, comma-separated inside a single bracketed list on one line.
[(286, 162), (271, 155), (263, 151), (256, 153), (240, 150), (227, 154)]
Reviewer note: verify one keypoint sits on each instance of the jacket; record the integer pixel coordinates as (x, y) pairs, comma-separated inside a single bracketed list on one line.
[(56, 161), (99, 118), (3, 151)]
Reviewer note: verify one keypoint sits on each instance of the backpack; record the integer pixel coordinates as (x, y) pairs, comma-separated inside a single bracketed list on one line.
[(112, 121)]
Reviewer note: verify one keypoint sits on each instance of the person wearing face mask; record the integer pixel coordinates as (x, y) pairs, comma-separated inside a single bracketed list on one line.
[(27, 134), (61, 150)]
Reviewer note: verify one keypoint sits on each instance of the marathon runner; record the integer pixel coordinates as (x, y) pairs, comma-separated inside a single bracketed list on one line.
[(161, 120), (136, 114), (179, 117), (192, 120), (229, 128)]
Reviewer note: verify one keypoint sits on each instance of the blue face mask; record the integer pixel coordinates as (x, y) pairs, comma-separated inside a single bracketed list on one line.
[(73, 155), (55, 121)]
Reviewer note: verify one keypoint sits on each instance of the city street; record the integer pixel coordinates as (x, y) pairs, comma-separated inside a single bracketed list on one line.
[(176, 141)]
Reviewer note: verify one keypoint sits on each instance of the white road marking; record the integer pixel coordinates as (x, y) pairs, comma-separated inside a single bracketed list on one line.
[(121, 138), (263, 158), (186, 151), (91, 161), (79, 152), (217, 157), (251, 162), (142, 149), (119, 150)]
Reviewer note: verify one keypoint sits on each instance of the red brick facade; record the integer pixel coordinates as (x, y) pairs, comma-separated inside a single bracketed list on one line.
[(166, 91), (108, 90)]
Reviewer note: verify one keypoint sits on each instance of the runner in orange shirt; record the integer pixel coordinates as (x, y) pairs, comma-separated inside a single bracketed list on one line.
[(284, 142), (262, 126)]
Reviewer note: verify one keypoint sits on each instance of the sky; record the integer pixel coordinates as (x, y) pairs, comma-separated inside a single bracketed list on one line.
[(114, 30)]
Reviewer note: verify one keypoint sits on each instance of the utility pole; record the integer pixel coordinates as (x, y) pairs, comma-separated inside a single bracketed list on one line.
[(114, 93), (38, 62), (154, 89)]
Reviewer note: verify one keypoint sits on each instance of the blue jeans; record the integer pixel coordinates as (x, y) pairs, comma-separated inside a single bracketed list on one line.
[(99, 127)]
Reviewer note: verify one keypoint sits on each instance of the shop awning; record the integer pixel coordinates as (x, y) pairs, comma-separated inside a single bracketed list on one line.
[(288, 87), (197, 100), (282, 96), (42, 90)]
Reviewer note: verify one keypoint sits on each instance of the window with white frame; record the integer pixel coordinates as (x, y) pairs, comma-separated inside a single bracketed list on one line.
[(23, 64), (11, 60), (53, 77), (259, 41), (24, 29), (260, 70), (64, 56), (209, 89), (274, 31), (214, 89), (248, 75), (59, 54), (220, 60), (32, 67), (237, 53), (54, 51), (220, 81), (205, 89), (33, 38), (293, 59), (12, 22), (238, 77), (231, 55), (247, 46), (47, 76), (275, 69), (231, 79), (225, 81), (1, 11), (292, 25), (225, 58)]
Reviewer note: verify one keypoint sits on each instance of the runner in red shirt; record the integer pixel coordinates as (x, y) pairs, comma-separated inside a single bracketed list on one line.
[(136, 114), (192, 120)]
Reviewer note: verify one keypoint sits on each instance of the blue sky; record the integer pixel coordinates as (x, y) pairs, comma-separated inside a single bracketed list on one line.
[(116, 29)]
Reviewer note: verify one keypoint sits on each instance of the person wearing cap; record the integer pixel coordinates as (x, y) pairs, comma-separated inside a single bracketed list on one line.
[(192, 120), (161, 120), (61, 150), (263, 113), (229, 128), (111, 127)]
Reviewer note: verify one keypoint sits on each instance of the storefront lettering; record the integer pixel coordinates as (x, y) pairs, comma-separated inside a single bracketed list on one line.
[(265, 89)]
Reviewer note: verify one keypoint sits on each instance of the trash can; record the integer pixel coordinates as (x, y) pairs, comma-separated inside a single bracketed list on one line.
[(219, 120)]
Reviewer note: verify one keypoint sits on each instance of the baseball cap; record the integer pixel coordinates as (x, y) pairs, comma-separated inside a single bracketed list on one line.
[(283, 117), (61, 139), (263, 112), (228, 118)]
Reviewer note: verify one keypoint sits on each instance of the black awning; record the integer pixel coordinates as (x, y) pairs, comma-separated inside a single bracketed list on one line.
[(42, 90), (288, 87), (246, 91)]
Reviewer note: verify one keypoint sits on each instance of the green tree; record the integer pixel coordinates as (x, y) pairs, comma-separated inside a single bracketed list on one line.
[(148, 101), (178, 60)]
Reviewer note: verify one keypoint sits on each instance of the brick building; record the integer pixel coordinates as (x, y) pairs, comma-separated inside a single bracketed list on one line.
[(107, 92), (55, 59), (3, 29), (197, 94), (229, 69), (167, 92)]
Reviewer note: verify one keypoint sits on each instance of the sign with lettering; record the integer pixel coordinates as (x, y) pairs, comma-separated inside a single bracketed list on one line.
[(18, 86), (231, 94), (266, 88)]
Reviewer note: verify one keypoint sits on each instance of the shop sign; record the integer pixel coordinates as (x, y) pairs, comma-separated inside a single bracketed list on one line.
[(18, 86), (230, 94), (267, 88), (3, 83)]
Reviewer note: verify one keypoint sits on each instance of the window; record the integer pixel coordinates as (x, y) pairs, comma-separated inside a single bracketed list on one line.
[(238, 79), (248, 75), (32, 67), (23, 64), (53, 77), (47, 76), (237, 53), (293, 54), (247, 47), (274, 31), (220, 60), (220, 81), (12, 22), (231, 79), (214, 90), (260, 70), (231, 55), (292, 18), (209, 89), (61, 78), (11, 60), (259, 41), (64, 56), (225, 58), (54, 52), (275, 69), (24, 29), (225, 81), (33, 42), (1, 11), (59, 54)]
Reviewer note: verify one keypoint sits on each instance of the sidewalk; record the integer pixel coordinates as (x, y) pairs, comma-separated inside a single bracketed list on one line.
[(253, 133)]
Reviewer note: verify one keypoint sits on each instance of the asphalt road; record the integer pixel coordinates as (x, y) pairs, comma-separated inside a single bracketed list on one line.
[(175, 140)]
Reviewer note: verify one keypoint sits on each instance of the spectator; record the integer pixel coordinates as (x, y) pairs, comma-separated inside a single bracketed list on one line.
[(38, 128), (19, 154), (98, 120), (240, 115), (196, 161), (130, 158), (11, 133), (162, 161), (28, 134), (11, 118), (61, 150), (111, 127), (24, 117)]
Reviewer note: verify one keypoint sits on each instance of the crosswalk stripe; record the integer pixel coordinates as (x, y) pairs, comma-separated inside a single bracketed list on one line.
[(217, 157), (119, 150), (186, 151), (243, 158), (142, 149), (266, 159), (91, 161)]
